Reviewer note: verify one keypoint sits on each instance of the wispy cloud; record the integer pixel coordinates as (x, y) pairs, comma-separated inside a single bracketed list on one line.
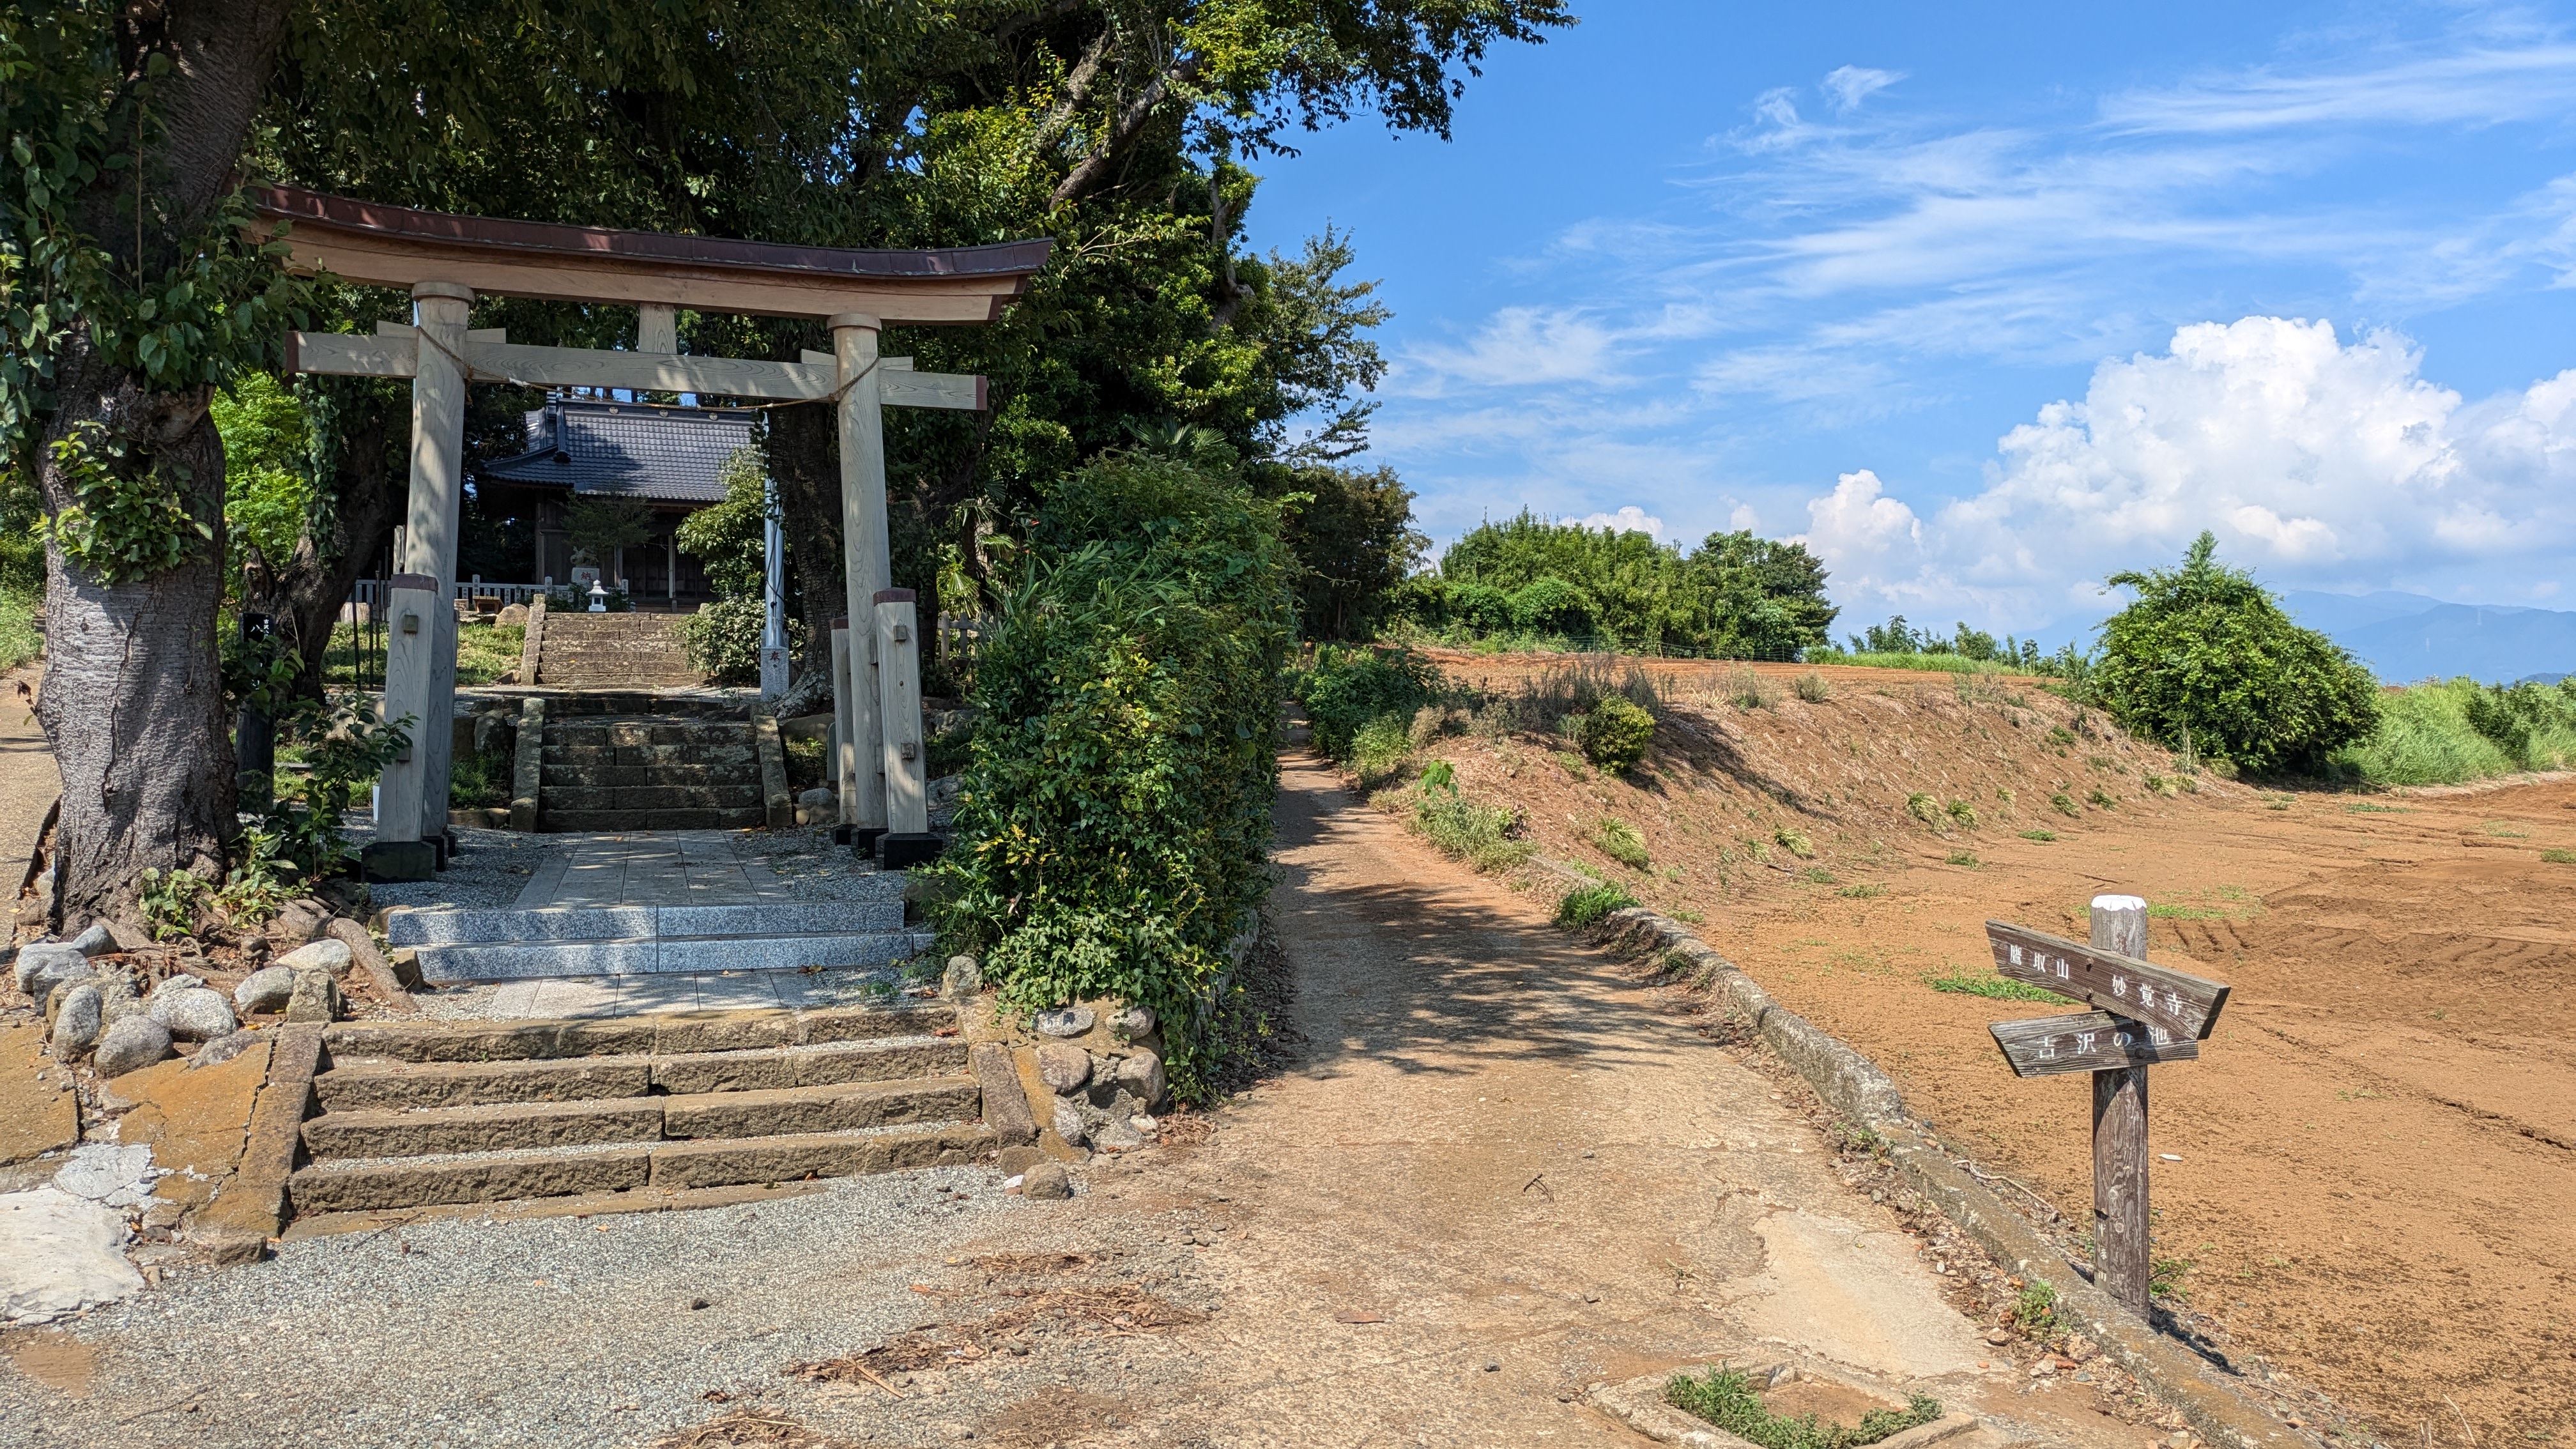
[(2477, 86)]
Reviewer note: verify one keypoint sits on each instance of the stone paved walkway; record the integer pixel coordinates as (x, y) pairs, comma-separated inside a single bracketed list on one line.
[(664, 868)]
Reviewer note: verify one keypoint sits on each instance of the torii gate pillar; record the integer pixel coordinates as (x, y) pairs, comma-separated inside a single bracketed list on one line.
[(420, 679), (866, 563)]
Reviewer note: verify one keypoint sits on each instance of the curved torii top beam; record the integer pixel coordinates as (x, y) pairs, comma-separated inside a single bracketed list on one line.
[(375, 244)]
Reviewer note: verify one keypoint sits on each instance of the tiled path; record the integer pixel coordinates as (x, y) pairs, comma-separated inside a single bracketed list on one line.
[(671, 868)]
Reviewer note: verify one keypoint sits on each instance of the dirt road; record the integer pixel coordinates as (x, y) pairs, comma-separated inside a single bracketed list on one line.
[(1500, 1147)]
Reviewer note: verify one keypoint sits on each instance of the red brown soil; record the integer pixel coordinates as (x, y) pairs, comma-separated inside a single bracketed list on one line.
[(2376, 1190)]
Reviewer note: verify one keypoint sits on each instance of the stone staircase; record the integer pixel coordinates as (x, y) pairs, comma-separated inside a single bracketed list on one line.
[(632, 762), (615, 651), (582, 941), (421, 1114)]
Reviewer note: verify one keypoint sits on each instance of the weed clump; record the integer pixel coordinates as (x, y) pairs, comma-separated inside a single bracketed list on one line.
[(1794, 843), (1923, 807), (1812, 688), (1484, 836), (2066, 805), (1590, 905), (1726, 1399), (1964, 813), (1620, 841)]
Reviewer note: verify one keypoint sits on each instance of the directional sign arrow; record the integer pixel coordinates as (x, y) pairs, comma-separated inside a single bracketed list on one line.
[(2181, 1006), (2088, 1041)]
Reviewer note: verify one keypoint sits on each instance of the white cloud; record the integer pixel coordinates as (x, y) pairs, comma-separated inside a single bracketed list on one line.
[(2315, 460), (1849, 85), (2480, 85), (1630, 519), (1516, 347)]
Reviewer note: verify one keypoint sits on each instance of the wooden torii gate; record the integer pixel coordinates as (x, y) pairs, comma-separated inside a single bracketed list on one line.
[(446, 261)]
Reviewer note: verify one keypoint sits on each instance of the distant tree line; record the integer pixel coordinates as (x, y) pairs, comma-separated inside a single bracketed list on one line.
[(1528, 579)]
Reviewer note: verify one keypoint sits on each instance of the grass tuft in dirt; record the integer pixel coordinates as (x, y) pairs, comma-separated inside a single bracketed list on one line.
[(2065, 805), (1726, 1398), (1812, 688), (1794, 843), (1999, 988), (1590, 905), (1924, 808), (1962, 812), (2042, 836), (1745, 689), (1619, 840), (1966, 858), (2559, 857), (2034, 1311), (1867, 890)]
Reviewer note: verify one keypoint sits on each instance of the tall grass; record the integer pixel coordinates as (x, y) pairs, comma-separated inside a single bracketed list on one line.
[(20, 638), (2425, 738), (1932, 663)]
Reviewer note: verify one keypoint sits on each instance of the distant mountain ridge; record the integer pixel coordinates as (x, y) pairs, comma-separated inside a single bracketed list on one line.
[(2407, 637)]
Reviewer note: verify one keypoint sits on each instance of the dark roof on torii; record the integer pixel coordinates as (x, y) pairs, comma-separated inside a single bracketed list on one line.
[(397, 246), (627, 450)]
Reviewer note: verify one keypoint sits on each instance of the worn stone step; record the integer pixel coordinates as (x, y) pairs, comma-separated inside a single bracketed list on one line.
[(490, 1127), (377, 1184), (359, 1085), (675, 1034), (385, 1086), (780, 951), (710, 755), (596, 1122), (833, 1107), (554, 797), (676, 774), (627, 732), (618, 822), (724, 1162)]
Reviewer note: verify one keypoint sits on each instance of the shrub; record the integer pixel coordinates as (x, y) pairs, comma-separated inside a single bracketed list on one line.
[(724, 639), (2205, 659), (1620, 841), (1347, 689), (1746, 689), (1113, 822), (1615, 734), (1590, 905), (1379, 749), (1812, 688)]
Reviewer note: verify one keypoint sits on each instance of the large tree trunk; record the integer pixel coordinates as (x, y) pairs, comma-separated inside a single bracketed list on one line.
[(134, 695), (134, 698)]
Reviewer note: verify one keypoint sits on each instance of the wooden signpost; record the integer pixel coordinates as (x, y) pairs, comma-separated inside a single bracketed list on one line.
[(2144, 1014)]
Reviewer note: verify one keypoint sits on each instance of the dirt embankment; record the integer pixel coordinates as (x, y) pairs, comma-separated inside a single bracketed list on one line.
[(2377, 1152)]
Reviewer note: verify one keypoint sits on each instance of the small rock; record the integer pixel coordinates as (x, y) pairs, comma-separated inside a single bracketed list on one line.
[(79, 1020), (45, 965), (1998, 1337), (116, 998), (512, 616), (98, 940), (696, 1303), (1065, 1021), (1047, 1182), (1142, 1074), (194, 1015), (323, 955), (1118, 1134), (1014, 1161), (131, 1045), (223, 1049), (1132, 1023), (1492, 1367), (818, 798), (1070, 1124), (963, 978), (1063, 1066), (268, 988), (2080, 1348), (2043, 1369), (316, 997)]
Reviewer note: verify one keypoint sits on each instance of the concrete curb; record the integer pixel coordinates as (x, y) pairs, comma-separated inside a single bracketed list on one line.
[(1854, 1086), (237, 1226)]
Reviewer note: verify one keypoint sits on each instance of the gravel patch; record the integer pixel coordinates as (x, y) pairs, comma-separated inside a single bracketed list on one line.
[(488, 871), (581, 1332)]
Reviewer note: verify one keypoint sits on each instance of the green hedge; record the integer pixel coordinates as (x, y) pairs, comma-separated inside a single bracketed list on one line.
[(1114, 821), (1346, 691)]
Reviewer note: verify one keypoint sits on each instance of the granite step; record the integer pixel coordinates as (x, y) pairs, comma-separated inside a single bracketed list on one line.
[(382, 1183), (672, 1035), (876, 905), (621, 822), (357, 1084), (512, 1126), (631, 956)]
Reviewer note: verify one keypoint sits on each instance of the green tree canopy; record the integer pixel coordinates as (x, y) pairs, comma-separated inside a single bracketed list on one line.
[(2205, 657)]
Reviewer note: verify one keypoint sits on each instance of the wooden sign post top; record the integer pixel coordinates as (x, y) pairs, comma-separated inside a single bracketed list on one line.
[(2172, 1005)]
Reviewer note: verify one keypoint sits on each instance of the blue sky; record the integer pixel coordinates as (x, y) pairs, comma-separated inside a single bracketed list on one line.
[(1985, 301)]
